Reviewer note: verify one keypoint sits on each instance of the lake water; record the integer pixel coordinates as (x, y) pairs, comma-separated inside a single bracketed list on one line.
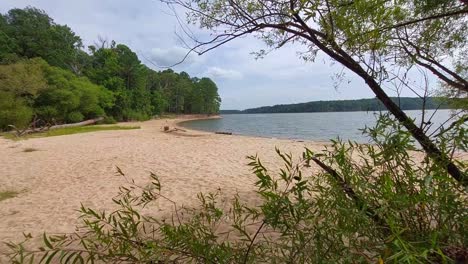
[(307, 126)]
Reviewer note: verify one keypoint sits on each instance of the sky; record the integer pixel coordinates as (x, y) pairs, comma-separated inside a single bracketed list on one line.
[(150, 29)]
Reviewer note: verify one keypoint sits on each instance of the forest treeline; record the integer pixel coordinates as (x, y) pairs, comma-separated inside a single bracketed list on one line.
[(47, 76), (406, 103)]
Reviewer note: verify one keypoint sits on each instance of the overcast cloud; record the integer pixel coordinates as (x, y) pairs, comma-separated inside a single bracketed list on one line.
[(148, 28)]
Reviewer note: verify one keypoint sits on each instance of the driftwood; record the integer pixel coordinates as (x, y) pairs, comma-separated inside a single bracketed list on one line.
[(223, 133), (175, 129), (32, 129), (83, 123)]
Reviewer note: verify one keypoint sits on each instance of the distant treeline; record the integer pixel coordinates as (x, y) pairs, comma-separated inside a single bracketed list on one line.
[(406, 103), (46, 75)]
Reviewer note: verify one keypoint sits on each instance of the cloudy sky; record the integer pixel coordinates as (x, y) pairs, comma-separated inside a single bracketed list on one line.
[(149, 28)]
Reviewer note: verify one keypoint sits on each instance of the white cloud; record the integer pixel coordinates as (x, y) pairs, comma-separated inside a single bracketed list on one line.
[(168, 57), (219, 73)]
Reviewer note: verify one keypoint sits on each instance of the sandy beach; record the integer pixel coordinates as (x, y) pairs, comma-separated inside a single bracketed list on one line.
[(81, 168)]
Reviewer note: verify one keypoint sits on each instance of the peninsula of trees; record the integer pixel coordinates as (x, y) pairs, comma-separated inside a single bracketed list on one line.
[(406, 103), (46, 76)]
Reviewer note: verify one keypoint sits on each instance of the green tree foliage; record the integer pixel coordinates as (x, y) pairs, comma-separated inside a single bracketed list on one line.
[(118, 69), (30, 33), (14, 111), (24, 79), (69, 98), (142, 92), (208, 100), (51, 94), (20, 85), (110, 81)]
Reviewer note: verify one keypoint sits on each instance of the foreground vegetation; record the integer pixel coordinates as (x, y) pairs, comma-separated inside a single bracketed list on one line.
[(69, 131), (47, 78)]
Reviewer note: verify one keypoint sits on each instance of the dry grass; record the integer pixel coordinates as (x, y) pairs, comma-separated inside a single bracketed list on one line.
[(7, 195), (69, 131)]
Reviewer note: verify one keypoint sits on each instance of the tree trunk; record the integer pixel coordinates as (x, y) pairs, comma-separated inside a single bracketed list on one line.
[(429, 147), (42, 129), (83, 123)]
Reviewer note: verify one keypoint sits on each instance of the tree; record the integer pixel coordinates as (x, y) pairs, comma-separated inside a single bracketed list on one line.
[(51, 94), (24, 79), (210, 95), (118, 69), (142, 92), (69, 98), (7, 44), (366, 37), (30, 33), (168, 84)]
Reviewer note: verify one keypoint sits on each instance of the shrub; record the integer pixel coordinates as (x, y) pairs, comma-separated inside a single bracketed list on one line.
[(70, 98), (75, 117), (23, 78), (13, 111), (131, 115), (52, 95), (108, 120)]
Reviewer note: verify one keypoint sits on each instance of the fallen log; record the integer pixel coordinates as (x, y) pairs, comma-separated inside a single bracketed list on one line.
[(47, 128), (223, 133), (168, 130), (83, 123)]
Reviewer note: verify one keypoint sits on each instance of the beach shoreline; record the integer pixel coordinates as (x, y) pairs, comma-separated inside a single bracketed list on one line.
[(66, 171)]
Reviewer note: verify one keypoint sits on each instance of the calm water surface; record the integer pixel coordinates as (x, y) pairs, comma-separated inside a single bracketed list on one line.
[(308, 126)]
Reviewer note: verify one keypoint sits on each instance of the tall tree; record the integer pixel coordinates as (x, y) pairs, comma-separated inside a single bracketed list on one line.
[(362, 36), (118, 68), (209, 91)]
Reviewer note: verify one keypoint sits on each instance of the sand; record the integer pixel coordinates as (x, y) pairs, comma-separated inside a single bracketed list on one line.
[(66, 171)]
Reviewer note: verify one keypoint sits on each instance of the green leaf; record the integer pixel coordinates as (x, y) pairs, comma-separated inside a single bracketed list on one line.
[(46, 241)]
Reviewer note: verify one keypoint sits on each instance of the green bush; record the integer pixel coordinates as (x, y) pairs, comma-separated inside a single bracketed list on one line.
[(74, 98), (54, 104), (75, 117), (51, 94), (368, 204), (24, 79), (131, 115), (108, 120), (13, 111)]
